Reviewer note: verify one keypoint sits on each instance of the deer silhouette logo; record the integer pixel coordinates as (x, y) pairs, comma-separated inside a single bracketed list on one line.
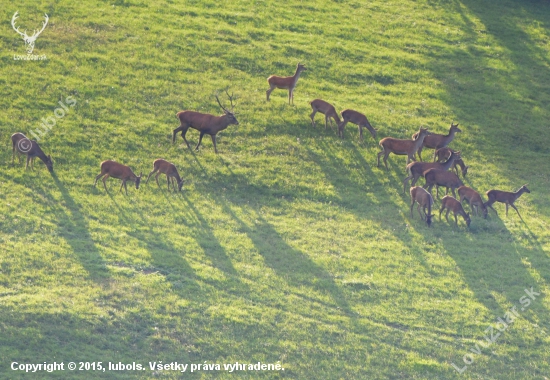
[(29, 40)]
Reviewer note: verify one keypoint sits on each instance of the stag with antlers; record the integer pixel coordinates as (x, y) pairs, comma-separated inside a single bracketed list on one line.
[(205, 123), (29, 40)]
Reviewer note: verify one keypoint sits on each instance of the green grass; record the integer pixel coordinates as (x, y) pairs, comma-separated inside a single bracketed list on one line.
[(289, 246)]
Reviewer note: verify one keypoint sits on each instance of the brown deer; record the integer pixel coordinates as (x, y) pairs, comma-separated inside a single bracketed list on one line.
[(357, 118), (417, 169), (474, 199), (327, 109), (114, 169), (286, 83), (168, 168), (22, 145), (424, 200), (436, 141), (505, 197), (444, 178), (401, 147), (444, 153), (451, 204), (205, 123)]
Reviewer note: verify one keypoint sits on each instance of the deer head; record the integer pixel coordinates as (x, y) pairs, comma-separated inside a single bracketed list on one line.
[(229, 114), (29, 40)]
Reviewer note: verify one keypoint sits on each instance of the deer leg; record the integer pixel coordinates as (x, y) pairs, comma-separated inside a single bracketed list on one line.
[(157, 179), (200, 140), (386, 159), (453, 190), (415, 178), (326, 122), (419, 213), (341, 129), (360, 132), (168, 180), (456, 219), (125, 188), (103, 180), (447, 214), (214, 142), (123, 184), (511, 204), (506, 209), (378, 159), (27, 166), (269, 91), (412, 205), (312, 116), (419, 153), (150, 174), (98, 177), (405, 183), (441, 210)]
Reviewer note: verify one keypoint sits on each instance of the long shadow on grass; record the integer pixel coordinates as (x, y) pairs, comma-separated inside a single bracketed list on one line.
[(502, 102), (73, 227)]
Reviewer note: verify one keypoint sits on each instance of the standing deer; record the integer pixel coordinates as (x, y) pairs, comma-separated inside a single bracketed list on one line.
[(325, 108), (29, 41), (417, 169), (444, 153), (168, 168), (505, 197), (451, 204), (356, 118), (444, 178), (436, 141), (205, 123), (286, 83), (22, 145), (474, 199), (424, 200), (401, 147), (114, 169)]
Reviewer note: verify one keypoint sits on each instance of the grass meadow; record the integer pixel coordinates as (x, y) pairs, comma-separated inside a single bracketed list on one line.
[(289, 246)]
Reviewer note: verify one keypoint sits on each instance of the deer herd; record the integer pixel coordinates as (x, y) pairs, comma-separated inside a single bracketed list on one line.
[(437, 173)]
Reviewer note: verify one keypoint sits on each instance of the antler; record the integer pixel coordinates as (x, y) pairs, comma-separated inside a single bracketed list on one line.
[(230, 99), (17, 29), (223, 108), (43, 26)]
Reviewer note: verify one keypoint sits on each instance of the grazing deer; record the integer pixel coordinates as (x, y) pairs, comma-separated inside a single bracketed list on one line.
[(22, 145), (205, 123), (114, 169), (474, 199), (287, 83), (451, 204), (436, 141), (401, 147), (505, 197), (443, 154), (444, 178), (168, 168), (29, 40), (417, 169), (424, 200), (356, 118), (326, 109)]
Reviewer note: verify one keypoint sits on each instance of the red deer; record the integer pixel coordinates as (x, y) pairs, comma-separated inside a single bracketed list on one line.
[(436, 141), (424, 200), (505, 197), (401, 147), (326, 109), (168, 168), (443, 154), (473, 198), (286, 83), (114, 169), (205, 123), (417, 169), (451, 204), (440, 177), (356, 118), (21, 144)]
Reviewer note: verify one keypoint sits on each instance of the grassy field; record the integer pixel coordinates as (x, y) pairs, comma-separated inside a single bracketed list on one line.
[(290, 246)]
